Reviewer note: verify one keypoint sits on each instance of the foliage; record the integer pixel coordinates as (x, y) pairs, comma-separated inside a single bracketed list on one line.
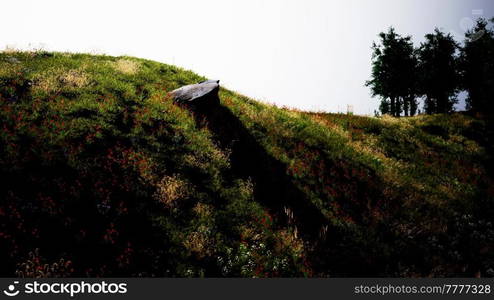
[(394, 73), (477, 66), (436, 71), (439, 79)]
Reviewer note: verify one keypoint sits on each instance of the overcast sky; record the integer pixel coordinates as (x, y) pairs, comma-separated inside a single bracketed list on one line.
[(309, 54)]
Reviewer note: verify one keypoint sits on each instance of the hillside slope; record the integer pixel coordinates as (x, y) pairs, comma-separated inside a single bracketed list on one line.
[(103, 175)]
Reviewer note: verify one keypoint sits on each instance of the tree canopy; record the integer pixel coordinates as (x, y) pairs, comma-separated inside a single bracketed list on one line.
[(394, 68), (477, 67), (439, 76), (436, 71)]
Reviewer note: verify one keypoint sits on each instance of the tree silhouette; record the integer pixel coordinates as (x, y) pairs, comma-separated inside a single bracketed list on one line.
[(438, 69), (394, 70), (477, 67)]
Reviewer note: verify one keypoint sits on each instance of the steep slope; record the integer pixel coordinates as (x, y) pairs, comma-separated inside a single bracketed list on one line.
[(105, 176)]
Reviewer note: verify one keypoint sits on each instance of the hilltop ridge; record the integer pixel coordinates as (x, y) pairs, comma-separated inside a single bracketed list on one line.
[(104, 175)]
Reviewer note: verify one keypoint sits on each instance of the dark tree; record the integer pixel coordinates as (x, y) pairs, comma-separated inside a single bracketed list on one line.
[(438, 69), (393, 73), (477, 67), (412, 82)]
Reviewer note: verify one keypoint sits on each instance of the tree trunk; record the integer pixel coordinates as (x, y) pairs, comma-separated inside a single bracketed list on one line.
[(393, 106), (397, 107), (406, 105), (413, 106)]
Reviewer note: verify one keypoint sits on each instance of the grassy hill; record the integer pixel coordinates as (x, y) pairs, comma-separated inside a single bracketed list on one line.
[(103, 175)]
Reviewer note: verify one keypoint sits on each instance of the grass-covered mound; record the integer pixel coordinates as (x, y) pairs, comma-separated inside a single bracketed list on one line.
[(103, 175)]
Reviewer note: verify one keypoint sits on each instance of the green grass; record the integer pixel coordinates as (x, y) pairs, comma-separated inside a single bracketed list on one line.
[(106, 176)]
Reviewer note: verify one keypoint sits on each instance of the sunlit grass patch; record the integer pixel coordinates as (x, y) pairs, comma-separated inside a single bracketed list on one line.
[(56, 79), (126, 66), (170, 189)]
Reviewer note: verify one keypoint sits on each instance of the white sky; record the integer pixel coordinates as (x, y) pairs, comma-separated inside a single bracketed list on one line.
[(309, 54)]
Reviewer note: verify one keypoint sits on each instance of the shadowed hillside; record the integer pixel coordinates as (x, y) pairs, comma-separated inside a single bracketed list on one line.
[(103, 175)]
